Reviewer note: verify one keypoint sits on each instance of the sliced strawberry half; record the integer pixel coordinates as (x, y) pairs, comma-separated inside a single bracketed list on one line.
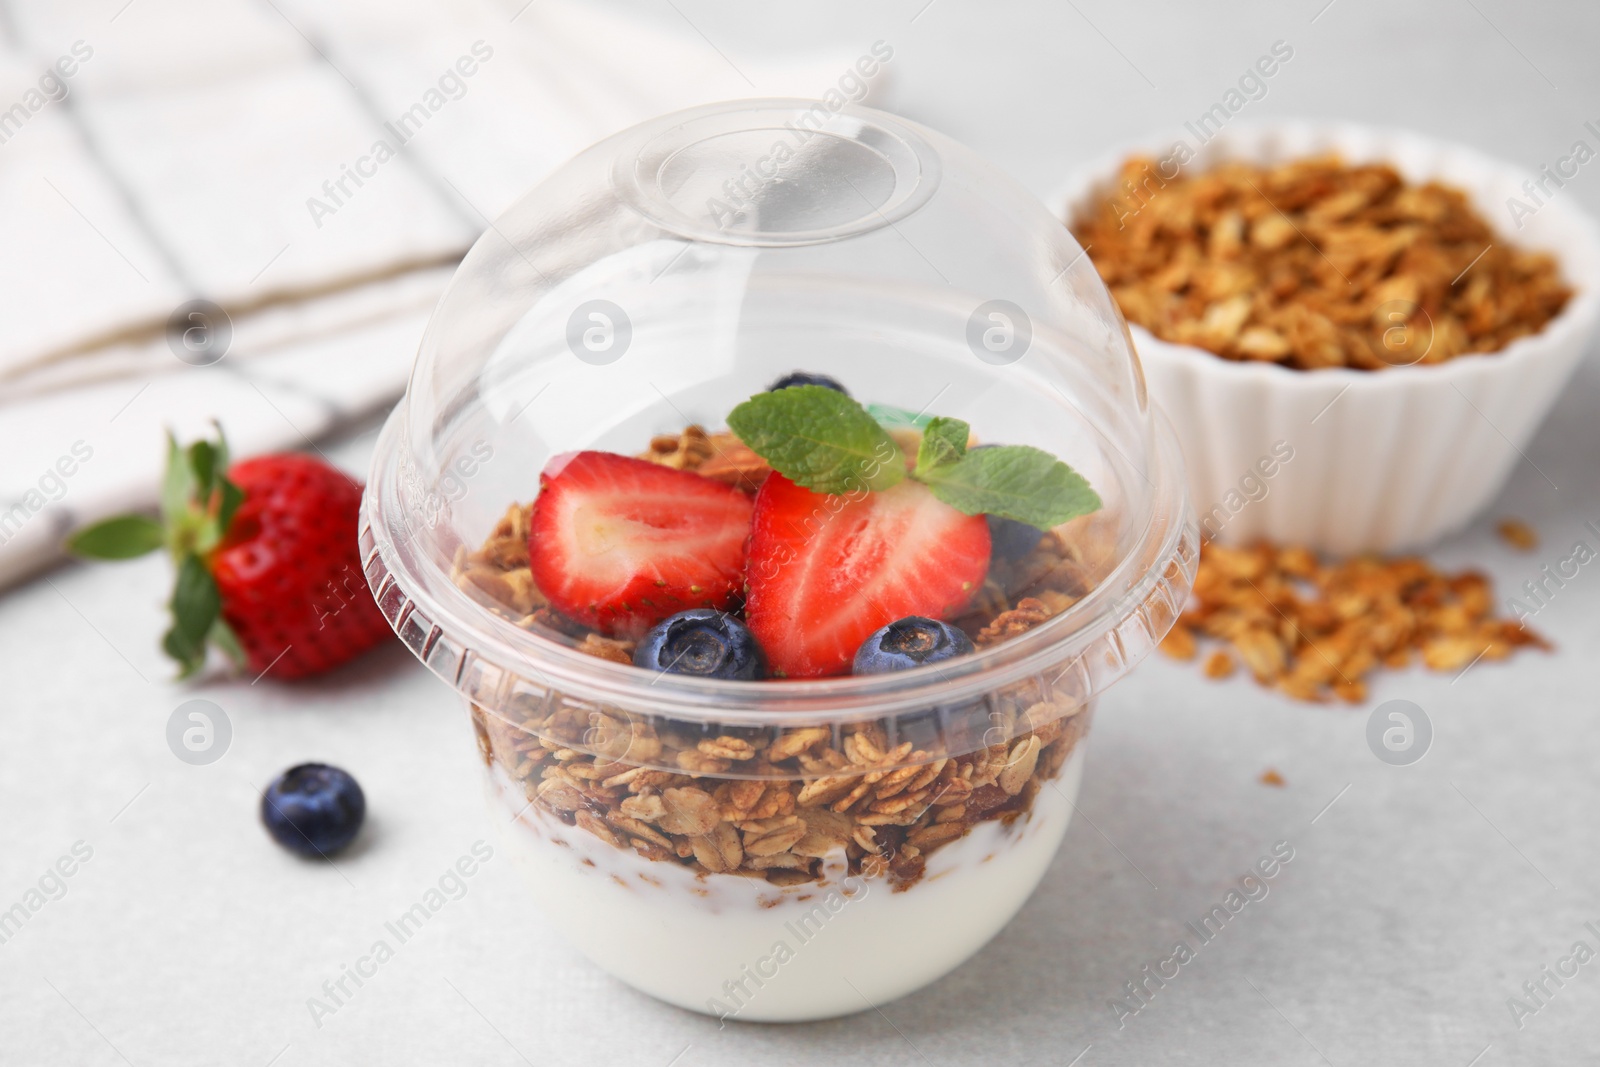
[(619, 544), (826, 571)]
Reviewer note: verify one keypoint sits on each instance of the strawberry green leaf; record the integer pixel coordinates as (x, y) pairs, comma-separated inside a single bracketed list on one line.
[(177, 487), (196, 605), (198, 504), (1014, 482), (203, 466), (203, 536), (206, 529), (231, 497), (123, 537), (944, 441), (183, 650), (819, 438), (219, 449), (223, 637)]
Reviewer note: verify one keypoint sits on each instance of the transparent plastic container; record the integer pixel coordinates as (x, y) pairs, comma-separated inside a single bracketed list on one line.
[(778, 849)]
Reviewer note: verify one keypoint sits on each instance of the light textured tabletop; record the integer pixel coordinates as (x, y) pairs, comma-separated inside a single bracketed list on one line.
[(1419, 898)]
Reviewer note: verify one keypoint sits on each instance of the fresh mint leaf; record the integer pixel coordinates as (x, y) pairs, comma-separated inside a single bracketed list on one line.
[(1014, 482), (819, 438), (124, 537), (891, 416), (944, 441)]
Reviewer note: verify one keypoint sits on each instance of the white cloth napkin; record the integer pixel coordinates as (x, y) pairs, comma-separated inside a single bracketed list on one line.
[(206, 150)]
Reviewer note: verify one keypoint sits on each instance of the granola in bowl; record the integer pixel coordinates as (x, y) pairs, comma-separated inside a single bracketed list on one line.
[(1355, 297), (1316, 263)]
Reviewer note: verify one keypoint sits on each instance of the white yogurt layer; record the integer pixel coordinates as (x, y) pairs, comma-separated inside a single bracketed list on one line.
[(745, 949)]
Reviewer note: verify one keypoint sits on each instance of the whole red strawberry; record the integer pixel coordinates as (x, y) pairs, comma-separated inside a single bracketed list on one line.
[(268, 565)]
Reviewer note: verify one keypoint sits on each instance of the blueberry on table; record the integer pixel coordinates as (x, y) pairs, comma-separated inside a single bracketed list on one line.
[(313, 809), (703, 642), (913, 641), (802, 378)]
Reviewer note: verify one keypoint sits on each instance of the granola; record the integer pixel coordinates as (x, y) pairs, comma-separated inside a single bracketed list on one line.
[(1518, 534), (778, 809), (1315, 629), (720, 456), (776, 804), (1316, 263)]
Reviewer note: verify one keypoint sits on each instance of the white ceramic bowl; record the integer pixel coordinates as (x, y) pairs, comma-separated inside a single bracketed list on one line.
[(1379, 461)]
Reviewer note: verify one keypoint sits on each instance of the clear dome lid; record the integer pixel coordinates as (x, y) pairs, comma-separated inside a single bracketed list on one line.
[(669, 273)]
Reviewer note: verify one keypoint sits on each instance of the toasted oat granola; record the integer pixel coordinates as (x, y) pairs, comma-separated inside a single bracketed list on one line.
[(1518, 534), (1313, 629), (772, 805), (1314, 263), (720, 456), (808, 793)]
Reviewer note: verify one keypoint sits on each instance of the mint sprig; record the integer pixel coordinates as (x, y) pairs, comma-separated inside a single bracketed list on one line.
[(819, 438), (1013, 481), (827, 442), (944, 442), (898, 418)]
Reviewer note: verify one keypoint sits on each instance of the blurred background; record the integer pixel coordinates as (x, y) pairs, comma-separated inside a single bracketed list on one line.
[(244, 210), (315, 170)]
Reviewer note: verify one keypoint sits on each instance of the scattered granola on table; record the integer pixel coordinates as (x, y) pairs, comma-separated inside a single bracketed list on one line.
[(1219, 665), (1315, 263), (1518, 534), (1316, 629)]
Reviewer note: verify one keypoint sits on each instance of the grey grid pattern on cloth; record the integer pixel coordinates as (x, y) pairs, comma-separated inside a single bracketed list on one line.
[(228, 151)]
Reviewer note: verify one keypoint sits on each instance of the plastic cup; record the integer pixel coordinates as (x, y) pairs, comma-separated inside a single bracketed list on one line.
[(794, 849)]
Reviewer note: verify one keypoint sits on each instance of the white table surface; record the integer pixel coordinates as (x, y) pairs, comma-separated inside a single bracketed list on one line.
[(1415, 906)]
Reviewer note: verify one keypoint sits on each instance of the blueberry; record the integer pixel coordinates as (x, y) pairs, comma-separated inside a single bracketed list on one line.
[(910, 642), (800, 377), (313, 809), (702, 642), (1008, 538)]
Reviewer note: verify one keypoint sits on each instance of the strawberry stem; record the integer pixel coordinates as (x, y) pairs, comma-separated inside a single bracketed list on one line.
[(198, 504)]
